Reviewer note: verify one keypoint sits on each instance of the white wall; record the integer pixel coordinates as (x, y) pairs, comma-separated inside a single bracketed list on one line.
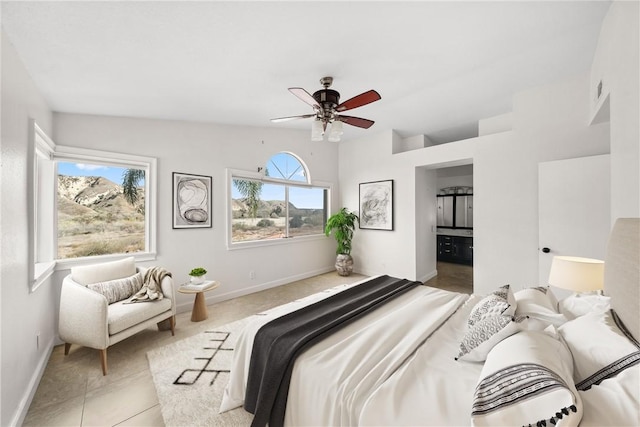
[(548, 123), (365, 160), (459, 176), (426, 189), (616, 64), (23, 314), (209, 149)]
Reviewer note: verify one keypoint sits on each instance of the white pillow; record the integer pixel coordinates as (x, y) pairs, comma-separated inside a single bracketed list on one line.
[(103, 272), (527, 380), (578, 305), (599, 347), (119, 289), (485, 334), (540, 305), (499, 302), (614, 402)]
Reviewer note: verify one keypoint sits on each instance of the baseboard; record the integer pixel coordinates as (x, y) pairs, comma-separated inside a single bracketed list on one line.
[(219, 297), (27, 398), (428, 276)]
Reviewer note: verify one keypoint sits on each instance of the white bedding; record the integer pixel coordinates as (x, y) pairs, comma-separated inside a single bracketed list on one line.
[(432, 388), (396, 366), (614, 402), (336, 387), (329, 388)]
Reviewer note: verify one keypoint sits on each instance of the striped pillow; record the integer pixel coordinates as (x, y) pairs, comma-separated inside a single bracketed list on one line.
[(527, 380), (119, 289), (600, 347)]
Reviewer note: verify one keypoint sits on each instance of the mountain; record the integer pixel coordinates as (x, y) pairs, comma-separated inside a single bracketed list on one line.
[(268, 209), (93, 195)]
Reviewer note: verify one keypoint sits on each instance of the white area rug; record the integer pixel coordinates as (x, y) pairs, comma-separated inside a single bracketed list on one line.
[(190, 376)]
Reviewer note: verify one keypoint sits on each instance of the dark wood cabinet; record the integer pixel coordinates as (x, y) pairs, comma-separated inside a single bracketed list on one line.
[(455, 249)]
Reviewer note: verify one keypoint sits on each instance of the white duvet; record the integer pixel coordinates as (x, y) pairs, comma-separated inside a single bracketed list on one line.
[(365, 373)]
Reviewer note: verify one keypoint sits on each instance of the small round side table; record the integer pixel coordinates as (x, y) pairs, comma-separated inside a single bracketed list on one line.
[(199, 312)]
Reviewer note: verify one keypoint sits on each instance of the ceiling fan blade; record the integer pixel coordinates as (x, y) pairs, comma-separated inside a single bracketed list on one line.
[(359, 100), (356, 121), (286, 119), (305, 96)]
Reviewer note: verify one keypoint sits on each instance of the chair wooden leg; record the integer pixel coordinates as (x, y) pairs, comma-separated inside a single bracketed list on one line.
[(103, 360), (67, 347), (173, 325)]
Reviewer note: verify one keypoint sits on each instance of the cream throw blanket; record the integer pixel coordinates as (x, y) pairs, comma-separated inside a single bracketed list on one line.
[(151, 289)]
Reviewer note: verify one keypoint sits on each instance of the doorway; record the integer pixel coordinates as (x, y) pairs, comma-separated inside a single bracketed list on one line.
[(450, 189)]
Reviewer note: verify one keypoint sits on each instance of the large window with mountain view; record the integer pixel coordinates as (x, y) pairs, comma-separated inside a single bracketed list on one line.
[(280, 204), (88, 204), (101, 210)]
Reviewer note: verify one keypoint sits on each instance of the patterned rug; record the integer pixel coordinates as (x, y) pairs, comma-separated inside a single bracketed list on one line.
[(190, 376)]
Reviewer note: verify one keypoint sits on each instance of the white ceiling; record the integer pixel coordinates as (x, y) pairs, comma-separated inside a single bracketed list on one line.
[(439, 66)]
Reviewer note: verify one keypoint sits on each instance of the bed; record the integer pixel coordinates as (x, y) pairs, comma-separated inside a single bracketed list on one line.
[(432, 357)]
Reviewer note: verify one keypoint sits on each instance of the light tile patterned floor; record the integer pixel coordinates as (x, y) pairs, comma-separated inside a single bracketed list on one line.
[(73, 391)]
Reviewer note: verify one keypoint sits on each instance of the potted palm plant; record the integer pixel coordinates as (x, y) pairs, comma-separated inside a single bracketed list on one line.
[(342, 224)]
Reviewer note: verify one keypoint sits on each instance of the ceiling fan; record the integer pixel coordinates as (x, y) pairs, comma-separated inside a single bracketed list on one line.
[(326, 106)]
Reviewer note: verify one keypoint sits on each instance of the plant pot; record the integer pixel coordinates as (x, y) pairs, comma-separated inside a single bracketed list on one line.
[(344, 264), (196, 280)]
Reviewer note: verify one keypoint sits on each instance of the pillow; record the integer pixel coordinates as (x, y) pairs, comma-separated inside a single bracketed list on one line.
[(599, 347), (119, 289), (578, 305), (485, 334), (105, 271), (614, 402), (540, 305), (499, 302), (527, 380)]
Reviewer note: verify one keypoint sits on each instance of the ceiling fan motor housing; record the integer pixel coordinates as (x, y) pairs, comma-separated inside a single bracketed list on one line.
[(328, 100)]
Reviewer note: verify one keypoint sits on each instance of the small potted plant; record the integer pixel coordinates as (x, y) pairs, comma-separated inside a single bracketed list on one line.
[(342, 224), (197, 275)]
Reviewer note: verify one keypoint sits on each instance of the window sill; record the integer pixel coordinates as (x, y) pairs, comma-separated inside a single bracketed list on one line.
[(66, 264), (41, 272), (273, 242)]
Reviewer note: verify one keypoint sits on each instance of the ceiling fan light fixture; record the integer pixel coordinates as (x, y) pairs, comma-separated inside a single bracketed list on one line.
[(326, 104), (336, 131), (317, 130)]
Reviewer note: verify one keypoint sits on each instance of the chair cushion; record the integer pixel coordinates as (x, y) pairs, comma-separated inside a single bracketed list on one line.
[(103, 272), (122, 316)]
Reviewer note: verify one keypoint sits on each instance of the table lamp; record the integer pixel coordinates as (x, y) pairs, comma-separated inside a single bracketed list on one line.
[(577, 274)]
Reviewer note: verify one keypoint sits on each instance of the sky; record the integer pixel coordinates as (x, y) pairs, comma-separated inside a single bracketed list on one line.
[(280, 165), (284, 165), (307, 198), (112, 173)]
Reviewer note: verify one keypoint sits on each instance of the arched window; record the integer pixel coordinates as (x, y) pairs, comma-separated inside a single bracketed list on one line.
[(281, 203), (288, 167)]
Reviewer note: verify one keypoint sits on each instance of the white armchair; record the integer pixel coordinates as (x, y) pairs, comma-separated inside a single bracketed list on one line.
[(87, 318)]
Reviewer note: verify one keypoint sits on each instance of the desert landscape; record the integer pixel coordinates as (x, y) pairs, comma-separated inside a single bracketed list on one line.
[(94, 218)]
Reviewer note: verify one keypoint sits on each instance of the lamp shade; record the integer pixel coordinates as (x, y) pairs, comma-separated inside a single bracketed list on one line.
[(336, 131), (317, 130), (577, 274)]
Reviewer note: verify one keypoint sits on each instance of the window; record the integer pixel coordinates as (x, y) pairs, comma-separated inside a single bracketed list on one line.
[(280, 204), (89, 205), (40, 209), (100, 210)]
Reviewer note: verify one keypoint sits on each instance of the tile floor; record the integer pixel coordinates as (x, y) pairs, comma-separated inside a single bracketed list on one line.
[(453, 277), (73, 391)]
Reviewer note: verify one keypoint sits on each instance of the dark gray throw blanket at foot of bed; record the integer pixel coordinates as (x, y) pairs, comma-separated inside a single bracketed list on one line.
[(277, 343)]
